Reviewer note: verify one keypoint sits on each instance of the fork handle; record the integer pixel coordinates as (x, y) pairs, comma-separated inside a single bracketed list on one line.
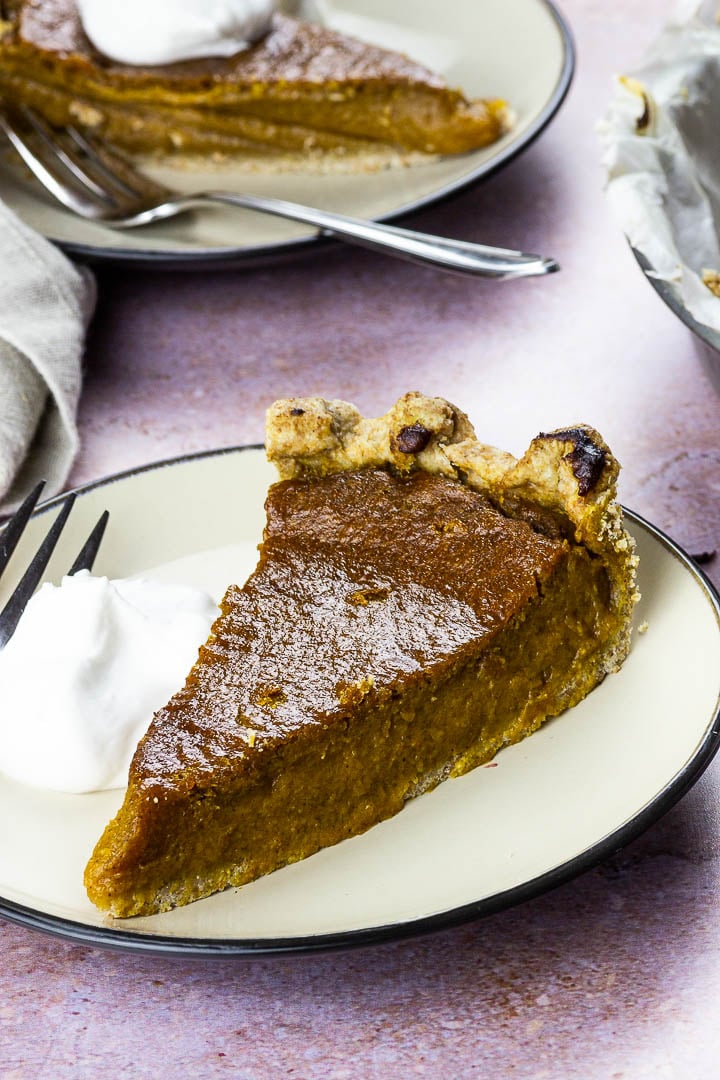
[(456, 256)]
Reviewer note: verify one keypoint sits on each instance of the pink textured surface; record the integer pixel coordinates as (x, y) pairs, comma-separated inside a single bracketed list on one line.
[(615, 975)]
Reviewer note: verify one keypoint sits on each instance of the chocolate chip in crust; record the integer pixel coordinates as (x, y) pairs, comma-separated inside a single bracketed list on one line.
[(586, 459), (413, 439)]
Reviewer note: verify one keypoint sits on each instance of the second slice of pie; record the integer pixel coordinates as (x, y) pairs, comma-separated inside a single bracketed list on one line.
[(303, 88)]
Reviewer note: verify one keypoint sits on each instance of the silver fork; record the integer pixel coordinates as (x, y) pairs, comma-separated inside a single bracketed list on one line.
[(9, 538), (96, 183)]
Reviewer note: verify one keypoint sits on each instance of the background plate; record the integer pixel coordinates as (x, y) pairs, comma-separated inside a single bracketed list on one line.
[(554, 804), (520, 51)]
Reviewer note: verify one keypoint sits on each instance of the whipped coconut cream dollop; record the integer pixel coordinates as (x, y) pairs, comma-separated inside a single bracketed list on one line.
[(149, 32), (89, 663)]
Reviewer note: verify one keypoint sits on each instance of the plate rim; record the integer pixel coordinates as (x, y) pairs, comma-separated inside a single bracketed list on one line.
[(237, 258), (135, 941)]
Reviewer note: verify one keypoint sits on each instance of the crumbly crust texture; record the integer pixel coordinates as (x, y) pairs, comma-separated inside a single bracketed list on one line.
[(570, 471), (565, 480)]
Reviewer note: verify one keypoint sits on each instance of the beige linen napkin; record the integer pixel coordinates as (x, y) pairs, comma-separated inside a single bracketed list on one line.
[(45, 307)]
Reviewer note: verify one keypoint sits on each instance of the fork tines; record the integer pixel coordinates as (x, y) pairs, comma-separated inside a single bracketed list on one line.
[(16, 525), (89, 550), (18, 601), (80, 172)]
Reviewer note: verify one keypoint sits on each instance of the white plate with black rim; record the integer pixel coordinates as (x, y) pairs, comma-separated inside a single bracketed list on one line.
[(521, 52), (552, 806)]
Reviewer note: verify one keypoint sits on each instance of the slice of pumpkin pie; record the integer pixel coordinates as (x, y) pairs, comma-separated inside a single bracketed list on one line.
[(301, 88), (421, 600)]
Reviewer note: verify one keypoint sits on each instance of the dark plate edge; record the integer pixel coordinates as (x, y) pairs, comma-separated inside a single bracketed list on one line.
[(667, 293), (234, 258), (137, 942)]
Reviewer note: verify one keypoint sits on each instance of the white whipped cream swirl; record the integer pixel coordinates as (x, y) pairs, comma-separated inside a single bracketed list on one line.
[(89, 663), (150, 32)]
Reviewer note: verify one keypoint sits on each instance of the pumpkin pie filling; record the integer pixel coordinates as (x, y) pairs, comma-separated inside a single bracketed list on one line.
[(421, 600), (301, 88)]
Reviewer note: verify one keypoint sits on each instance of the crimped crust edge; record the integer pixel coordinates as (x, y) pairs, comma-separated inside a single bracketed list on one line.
[(569, 474)]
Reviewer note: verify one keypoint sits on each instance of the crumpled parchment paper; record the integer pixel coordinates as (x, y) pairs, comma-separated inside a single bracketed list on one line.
[(661, 139)]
